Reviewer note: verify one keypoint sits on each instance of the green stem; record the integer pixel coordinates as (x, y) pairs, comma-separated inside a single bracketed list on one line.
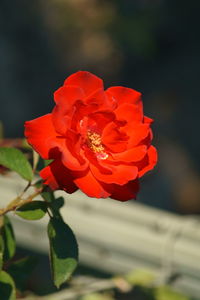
[(18, 201)]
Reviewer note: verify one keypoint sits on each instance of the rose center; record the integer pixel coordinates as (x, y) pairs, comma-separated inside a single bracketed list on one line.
[(95, 144)]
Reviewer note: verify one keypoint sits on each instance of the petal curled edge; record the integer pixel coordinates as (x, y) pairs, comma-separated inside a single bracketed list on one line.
[(148, 120), (67, 95), (65, 98), (73, 156), (131, 155), (113, 138), (87, 81), (124, 192), (118, 174), (41, 135), (104, 100), (58, 177), (129, 113), (125, 95), (137, 134), (90, 186), (149, 161)]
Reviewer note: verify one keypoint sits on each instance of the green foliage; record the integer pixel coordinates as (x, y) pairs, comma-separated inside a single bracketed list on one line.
[(34, 210), (63, 250), (1, 252), (47, 162), (48, 196), (8, 239), (20, 271), (166, 293), (7, 287), (54, 203), (140, 277), (97, 296), (58, 203), (38, 183), (15, 160)]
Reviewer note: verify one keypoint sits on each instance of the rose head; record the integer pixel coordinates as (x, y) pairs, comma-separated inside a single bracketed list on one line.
[(99, 141)]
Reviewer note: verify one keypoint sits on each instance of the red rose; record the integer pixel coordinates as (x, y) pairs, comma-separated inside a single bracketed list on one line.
[(99, 141)]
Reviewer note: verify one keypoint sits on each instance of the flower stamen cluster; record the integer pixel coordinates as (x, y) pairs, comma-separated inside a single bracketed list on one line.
[(95, 144)]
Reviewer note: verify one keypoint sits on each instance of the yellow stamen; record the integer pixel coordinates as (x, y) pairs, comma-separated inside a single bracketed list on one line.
[(95, 144)]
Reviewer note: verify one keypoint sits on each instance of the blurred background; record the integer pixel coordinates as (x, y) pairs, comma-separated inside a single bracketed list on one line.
[(149, 45)]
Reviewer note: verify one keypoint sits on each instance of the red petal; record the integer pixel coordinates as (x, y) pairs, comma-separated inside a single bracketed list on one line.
[(103, 100), (57, 176), (72, 155), (87, 81), (131, 155), (90, 186), (129, 113), (97, 97), (137, 133), (125, 95), (65, 97), (124, 192), (98, 120), (41, 135), (148, 120), (110, 173), (148, 162), (113, 138)]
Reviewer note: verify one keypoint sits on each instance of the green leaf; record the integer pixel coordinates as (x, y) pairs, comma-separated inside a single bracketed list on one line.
[(34, 210), (140, 277), (15, 160), (55, 207), (54, 203), (9, 239), (47, 162), (63, 250), (58, 203), (1, 252), (166, 293), (7, 287), (38, 183), (20, 271), (98, 296), (48, 196)]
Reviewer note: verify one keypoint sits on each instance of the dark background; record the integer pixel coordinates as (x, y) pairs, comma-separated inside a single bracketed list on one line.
[(149, 45)]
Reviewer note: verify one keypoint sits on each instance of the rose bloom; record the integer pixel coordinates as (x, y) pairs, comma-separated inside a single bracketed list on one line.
[(99, 141)]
